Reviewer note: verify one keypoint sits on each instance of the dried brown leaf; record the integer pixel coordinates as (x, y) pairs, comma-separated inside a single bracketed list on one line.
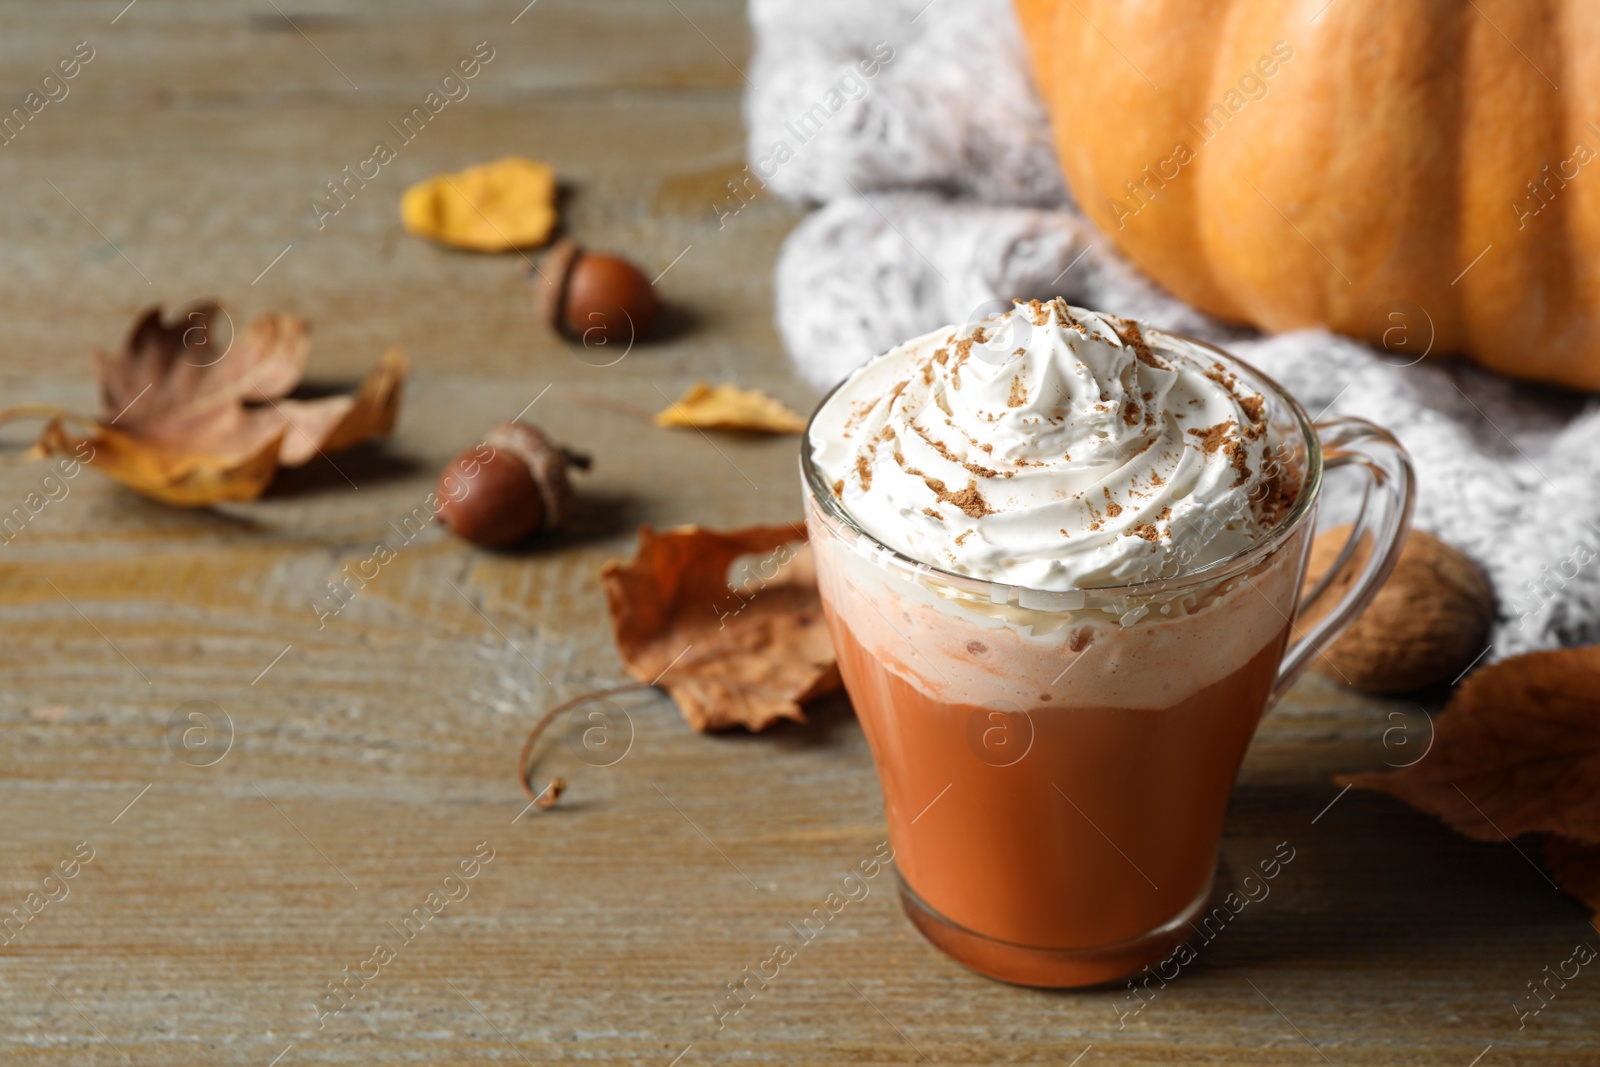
[(169, 384), (172, 475), (190, 425), (726, 656), (334, 423), (1517, 750)]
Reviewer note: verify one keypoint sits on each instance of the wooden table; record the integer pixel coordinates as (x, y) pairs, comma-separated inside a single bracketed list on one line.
[(352, 766)]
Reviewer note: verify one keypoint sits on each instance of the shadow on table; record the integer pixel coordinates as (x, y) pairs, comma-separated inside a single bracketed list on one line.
[(367, 464), (1375, 881), (596, 516), (830, 723)]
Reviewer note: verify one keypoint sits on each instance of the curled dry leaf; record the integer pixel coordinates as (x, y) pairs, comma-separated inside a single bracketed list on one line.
[(727, 407), (493, 207), (335, 423), (188, 425), (171, 474), (1516, 751), (727, 656)]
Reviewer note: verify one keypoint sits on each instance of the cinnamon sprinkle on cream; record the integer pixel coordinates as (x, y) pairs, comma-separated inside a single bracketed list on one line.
[(969, 500), (1019, 393), (1090, 386), (1212, 437)]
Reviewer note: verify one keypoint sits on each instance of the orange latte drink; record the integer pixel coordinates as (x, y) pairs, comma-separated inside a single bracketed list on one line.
[(1059, 555)]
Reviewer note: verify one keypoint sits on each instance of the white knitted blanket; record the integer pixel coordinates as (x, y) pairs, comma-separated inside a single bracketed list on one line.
[(914, 125)]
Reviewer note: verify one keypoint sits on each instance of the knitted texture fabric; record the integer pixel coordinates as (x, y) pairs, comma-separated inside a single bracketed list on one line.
[(916, 128)]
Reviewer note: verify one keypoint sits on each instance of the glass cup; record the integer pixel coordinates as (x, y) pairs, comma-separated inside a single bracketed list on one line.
[(1056, 766)]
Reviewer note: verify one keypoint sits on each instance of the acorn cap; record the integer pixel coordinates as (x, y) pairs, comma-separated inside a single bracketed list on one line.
[(546, 462), (552, 276)]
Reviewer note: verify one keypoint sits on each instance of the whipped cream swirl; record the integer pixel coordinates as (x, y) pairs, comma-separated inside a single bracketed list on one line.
[(1053, 448)]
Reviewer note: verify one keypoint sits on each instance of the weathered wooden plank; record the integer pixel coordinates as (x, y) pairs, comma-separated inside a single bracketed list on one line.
[(372, 750)]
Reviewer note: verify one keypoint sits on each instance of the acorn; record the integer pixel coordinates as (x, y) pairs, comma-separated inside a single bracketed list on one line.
[(508, 488), (592, 297)]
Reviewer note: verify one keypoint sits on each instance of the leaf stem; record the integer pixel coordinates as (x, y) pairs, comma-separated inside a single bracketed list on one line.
[(524, 768), (34, 411)]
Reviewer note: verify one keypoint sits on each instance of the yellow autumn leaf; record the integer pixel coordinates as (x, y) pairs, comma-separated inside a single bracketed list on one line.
[(727, 407), (493, 207), (172, 474)]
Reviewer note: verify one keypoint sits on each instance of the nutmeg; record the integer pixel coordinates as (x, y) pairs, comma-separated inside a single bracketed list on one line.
[(1427, 623), (594, 297), (509, 487)]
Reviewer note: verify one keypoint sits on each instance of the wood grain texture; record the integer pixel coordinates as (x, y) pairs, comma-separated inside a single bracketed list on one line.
[(373, 750)]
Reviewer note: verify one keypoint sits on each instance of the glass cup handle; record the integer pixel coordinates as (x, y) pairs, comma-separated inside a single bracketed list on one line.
[(1376, 536)]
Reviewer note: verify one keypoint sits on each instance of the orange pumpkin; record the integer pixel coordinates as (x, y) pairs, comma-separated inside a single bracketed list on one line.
[(1406, 171)]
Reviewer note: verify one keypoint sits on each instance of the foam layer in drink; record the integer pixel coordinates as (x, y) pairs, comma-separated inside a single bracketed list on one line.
[(958, 649)]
